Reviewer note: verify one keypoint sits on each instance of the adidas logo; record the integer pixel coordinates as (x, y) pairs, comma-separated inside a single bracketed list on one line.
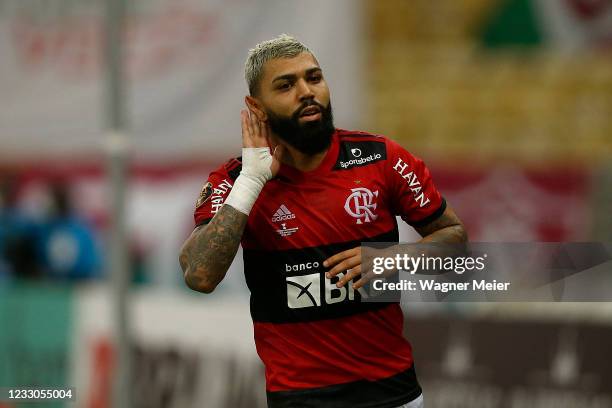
[(282, 214)]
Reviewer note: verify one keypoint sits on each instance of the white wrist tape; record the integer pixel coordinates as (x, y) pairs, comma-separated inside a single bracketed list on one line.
[(255, 173)]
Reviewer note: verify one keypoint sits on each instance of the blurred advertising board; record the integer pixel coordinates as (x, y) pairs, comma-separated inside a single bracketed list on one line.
[(184, 62), (511, 362), (189, 350)]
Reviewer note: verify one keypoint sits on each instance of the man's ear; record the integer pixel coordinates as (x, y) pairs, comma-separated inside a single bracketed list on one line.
[(255, 107)]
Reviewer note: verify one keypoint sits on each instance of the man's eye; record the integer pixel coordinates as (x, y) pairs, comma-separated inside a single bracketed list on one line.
[(315, 78), (285, 85)]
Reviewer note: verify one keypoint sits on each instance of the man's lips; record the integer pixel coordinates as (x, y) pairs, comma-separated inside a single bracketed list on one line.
[(311, 110), (311, 117)]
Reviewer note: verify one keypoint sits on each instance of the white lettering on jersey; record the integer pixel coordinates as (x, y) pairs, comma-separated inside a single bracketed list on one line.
[(413, 182), (218, 195)]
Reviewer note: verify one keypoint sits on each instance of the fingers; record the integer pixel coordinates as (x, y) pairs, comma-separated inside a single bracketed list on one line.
[(349, 276), (257, 130), (345, 265), (254, 131), (365, 279), (334, 259), (265, 130), (246, 130), (349, 263), (342, 261), (254, 126), (346, 262)]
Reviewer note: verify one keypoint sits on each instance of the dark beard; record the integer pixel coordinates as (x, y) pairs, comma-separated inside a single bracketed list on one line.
[(309, 138)]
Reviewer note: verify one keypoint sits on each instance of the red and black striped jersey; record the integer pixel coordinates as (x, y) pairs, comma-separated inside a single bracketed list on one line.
[(322, 346)]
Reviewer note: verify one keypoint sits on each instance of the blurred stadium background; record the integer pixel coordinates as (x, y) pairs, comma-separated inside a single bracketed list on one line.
[(508, 101)]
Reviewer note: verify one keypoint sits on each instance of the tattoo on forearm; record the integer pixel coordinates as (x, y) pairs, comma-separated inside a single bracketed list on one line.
[(212, 248), (447, 228), (450, 234)]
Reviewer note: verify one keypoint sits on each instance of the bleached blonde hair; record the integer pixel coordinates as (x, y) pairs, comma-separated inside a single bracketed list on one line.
[(283, 46)]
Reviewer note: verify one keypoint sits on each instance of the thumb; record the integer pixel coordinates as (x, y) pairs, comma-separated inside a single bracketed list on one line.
[(276, 160), (278, 152)]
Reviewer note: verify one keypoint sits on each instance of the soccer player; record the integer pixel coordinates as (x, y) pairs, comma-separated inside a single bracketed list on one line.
[(301, 199)]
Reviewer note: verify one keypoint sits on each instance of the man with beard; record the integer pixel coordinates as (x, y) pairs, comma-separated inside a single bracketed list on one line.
[(300, 200)]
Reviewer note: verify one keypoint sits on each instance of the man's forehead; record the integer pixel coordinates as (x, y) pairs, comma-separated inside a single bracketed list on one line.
[(287, 66)]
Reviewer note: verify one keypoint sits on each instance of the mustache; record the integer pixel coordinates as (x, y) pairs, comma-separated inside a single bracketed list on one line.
[(306, 104)]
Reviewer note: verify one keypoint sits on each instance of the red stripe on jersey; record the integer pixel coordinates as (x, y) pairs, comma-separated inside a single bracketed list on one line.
[(336, 351)]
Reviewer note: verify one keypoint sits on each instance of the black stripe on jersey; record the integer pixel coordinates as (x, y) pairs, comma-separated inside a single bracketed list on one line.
[(432, 217), (389, 392), (360, 153), (290, 286), (234, 167)]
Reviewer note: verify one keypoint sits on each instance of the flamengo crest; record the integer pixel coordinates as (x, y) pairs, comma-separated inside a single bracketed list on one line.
[(360, 204)]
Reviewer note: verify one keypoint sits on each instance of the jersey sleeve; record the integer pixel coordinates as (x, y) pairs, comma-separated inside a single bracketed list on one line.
[(413, 195), (215, 191)]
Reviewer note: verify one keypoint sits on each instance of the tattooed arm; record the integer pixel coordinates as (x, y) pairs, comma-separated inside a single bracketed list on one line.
[(209, 251), (448, 228)]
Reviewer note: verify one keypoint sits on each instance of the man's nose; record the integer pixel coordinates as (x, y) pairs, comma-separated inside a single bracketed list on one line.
[(304, 91)]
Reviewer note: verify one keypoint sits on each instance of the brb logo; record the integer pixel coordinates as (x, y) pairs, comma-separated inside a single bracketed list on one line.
[(360, 204), (305, 290)]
